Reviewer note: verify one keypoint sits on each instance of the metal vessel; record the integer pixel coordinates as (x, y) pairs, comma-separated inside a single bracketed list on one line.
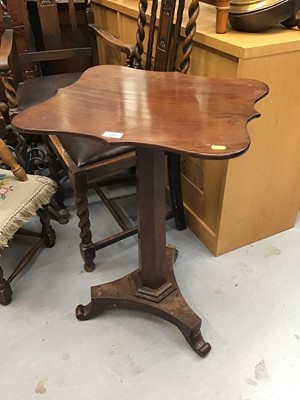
[(259, 15)]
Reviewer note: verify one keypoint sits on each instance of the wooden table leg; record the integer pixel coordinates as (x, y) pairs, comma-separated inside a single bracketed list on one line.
[(151, 288)]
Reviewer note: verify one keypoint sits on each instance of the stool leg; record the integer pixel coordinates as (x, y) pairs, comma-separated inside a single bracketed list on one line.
[(48, 232), (5, 290)]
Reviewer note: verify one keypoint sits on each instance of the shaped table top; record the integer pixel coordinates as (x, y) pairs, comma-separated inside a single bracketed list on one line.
[(200, 116)]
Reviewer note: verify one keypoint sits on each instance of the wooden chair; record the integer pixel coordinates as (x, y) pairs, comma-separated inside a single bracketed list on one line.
[(85, 160), (21, 197), (53, 52)]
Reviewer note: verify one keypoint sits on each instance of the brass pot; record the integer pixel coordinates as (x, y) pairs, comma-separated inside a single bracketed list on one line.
[(246, 6), (259, 15)]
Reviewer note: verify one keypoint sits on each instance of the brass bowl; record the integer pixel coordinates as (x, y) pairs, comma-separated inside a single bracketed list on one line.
[(245, 6), (260, 15)]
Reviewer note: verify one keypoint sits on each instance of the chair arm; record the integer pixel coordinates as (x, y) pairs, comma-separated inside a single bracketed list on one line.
[(6, 49), (9, 160), (112, 41)]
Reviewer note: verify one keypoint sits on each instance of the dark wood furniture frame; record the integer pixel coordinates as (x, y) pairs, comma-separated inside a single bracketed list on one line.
[(163, 30), (87, 161), (210, 122), (67, 44)]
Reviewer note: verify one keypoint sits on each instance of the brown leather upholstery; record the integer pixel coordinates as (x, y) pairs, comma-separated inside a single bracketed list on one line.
[(84, 151)]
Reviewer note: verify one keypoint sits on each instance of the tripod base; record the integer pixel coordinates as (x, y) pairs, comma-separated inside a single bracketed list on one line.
[(123, 293)]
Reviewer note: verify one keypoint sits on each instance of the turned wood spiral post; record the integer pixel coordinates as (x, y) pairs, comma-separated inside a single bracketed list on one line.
[(140, 34), (190, 31)]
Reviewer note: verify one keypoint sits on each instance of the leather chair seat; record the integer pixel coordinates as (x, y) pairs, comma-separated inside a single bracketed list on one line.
[(85, 151)]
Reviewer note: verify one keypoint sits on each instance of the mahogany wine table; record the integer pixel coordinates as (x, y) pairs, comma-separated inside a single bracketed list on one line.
[(154, 112)]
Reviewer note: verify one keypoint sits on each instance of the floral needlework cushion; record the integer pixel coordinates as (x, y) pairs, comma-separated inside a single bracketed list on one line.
[(5, 187), (20, 200)]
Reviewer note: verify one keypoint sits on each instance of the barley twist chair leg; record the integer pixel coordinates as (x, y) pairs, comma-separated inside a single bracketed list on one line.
[(87, 247)]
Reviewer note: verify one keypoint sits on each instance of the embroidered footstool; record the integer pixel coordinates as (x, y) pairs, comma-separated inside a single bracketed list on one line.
[(21, 197)]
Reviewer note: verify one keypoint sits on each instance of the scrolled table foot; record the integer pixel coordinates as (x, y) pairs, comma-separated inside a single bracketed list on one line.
[(84, 312), (122, 293), (198, 344)]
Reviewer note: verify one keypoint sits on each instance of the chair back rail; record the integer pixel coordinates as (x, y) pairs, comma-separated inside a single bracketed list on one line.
[(26, 25), (165, 45), (59, 41), (163, 41), (162, 32), (50, 26)]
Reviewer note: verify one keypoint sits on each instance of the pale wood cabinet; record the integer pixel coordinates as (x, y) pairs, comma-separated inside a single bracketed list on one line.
[(233, 203)]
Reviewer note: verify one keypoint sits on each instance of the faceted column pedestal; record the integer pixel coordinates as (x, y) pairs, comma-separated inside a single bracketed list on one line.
[(151, 288)]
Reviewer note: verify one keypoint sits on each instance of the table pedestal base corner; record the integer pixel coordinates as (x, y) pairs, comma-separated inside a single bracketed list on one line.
[(123, 293)]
